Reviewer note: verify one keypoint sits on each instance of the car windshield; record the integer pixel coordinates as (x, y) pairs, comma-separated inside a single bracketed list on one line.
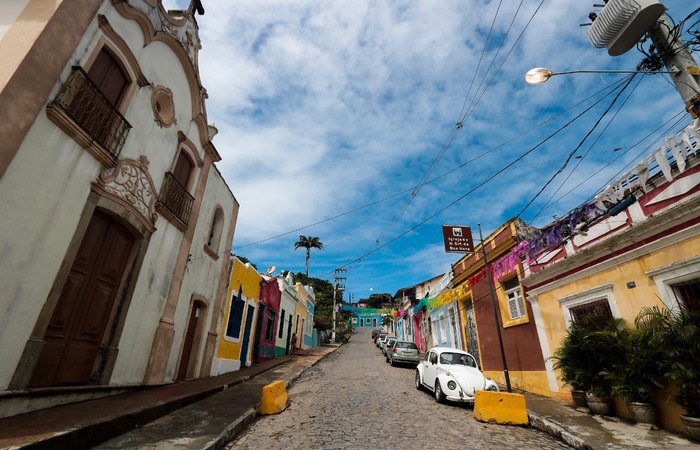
[(407, 345), (457, 358)]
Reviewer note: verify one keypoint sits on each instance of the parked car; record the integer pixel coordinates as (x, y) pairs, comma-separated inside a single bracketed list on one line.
[(375, 333), (452, 375), (405, 352), (380, 338), (387, 342)]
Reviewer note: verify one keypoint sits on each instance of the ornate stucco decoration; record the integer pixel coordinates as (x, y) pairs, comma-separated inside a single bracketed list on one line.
[(163, 106), (131, 185)]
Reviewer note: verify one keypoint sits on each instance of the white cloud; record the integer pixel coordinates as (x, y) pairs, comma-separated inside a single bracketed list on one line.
[(324, 107)]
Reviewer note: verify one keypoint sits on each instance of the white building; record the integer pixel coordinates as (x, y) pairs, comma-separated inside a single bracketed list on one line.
[(116, 224), (285, 327)]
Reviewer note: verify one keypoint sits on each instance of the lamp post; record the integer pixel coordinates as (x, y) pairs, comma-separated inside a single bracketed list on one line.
[(540, 75)]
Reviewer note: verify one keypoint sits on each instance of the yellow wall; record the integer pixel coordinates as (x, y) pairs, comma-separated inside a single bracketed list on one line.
[(300, 311), (535, 382), (627, 301), (247, 279)]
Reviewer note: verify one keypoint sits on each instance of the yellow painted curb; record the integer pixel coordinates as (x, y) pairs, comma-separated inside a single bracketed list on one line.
[(274, 398), (500, 407)]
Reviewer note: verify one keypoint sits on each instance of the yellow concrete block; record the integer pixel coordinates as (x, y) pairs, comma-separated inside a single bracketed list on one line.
[(500, 407), (274, 398)]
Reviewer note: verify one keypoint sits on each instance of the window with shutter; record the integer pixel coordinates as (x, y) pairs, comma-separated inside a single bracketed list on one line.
[(235, 318), (516, 303)]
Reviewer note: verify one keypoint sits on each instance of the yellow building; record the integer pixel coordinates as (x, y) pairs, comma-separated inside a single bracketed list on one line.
[(301, 319), (640, 248), (239, 319)]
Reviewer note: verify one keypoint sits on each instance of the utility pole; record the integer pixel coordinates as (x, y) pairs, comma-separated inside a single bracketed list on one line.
[(495, 312), (336, 280), (676, 57), (621, 24)]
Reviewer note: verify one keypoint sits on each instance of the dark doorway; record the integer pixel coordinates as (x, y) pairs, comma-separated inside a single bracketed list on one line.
[(258, 333), (190, 334), (78, 324), (246, 334)]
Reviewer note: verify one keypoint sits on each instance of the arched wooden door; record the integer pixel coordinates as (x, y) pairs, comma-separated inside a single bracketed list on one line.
[(79, 322)]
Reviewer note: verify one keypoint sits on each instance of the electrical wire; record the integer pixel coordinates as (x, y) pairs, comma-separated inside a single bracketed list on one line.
[(610, 87), (542, 142), (548, 203), (631, 77)]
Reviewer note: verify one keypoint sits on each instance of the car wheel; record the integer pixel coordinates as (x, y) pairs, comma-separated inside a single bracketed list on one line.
[(439, 395), (386, 358), (392, 362), (419, 386)]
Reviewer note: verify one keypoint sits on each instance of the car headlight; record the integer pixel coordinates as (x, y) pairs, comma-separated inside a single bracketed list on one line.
[(452, 385)]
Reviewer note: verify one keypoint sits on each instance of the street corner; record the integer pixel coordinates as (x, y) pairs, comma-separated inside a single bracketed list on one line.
[(274, 398), (500, 407)]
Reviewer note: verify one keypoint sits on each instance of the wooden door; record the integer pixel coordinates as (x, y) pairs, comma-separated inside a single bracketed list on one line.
[(189, 341), (80, 319)]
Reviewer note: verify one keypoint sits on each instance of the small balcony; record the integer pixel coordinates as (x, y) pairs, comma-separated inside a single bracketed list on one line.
[(175, 203), (83, 112)]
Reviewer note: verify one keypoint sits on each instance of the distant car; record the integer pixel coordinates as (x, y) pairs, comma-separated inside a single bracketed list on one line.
[(452, 375), (387, 343), (405, 352), (375, 333)]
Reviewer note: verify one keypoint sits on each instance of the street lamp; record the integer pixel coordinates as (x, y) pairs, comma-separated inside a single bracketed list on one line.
[(539, 75)]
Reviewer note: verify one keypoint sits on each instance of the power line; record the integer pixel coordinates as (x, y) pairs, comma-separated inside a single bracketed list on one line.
[(577, 147), (610, 87)]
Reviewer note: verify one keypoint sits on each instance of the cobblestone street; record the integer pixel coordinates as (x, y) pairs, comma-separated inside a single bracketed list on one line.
[(354, 399)]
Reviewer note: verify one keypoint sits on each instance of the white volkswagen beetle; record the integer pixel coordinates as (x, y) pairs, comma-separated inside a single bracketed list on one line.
[(452, 375)]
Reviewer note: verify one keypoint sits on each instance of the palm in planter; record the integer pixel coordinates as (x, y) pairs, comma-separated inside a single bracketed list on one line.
[(679, 333), (644, 365), (573, 364), (604, 347)]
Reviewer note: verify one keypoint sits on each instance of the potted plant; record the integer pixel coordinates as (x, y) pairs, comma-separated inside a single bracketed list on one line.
[(679, 330), (603, 347), (573, 364), (642, 370)]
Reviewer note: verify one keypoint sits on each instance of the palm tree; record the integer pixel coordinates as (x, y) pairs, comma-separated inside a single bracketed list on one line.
[(308, 243)]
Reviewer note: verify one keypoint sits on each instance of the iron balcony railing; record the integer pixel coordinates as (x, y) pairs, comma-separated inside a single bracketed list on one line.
[(83, 101), (175, 198)]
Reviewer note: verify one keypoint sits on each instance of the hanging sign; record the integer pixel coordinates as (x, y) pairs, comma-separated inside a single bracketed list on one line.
[(458, 239)]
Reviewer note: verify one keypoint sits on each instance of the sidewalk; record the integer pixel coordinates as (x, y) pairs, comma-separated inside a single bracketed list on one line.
[(208, 413), (199, 413), (581, 430)]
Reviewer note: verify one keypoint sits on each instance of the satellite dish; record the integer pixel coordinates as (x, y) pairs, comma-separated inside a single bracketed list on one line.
[(270, 270)]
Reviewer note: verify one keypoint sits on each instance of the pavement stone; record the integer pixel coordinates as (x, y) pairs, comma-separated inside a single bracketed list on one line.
[(221, 412)]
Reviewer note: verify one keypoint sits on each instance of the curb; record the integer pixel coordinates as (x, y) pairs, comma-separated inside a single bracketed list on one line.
[(554, 429), (232, 430)]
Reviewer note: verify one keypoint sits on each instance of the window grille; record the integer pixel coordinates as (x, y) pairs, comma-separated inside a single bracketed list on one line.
[(688, 294), (598, 309)]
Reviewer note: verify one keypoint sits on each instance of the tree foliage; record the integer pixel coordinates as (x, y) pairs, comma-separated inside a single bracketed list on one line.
[(383, 300), (308, 242), (324, 294)]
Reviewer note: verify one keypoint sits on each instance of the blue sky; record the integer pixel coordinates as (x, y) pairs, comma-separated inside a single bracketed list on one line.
[(338, 119)]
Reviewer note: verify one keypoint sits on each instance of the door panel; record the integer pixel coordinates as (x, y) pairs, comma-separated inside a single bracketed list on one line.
[(189, 341), (246, 334), (79, 322)]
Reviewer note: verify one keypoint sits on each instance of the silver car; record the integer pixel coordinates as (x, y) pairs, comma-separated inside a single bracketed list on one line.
[(403, 352), (387, 343)]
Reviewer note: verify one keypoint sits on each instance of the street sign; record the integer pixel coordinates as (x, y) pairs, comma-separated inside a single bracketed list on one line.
[(458, 239)]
